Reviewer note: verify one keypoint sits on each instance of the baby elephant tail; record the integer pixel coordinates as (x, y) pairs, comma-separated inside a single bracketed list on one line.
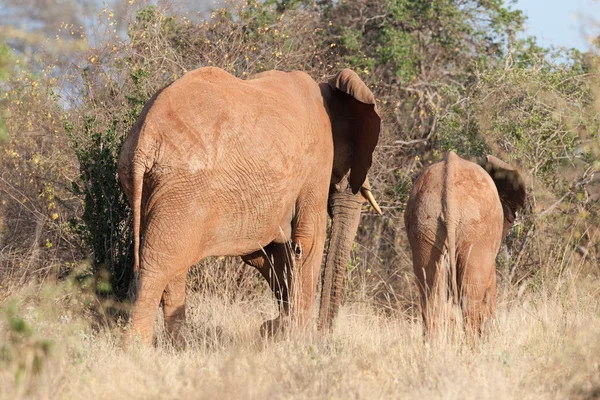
[(450, 216)]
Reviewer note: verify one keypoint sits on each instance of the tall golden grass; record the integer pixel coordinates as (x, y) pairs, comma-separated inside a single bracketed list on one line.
[(541, 344)]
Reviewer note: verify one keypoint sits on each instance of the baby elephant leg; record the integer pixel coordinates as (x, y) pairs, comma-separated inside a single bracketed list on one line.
[(478, 289)]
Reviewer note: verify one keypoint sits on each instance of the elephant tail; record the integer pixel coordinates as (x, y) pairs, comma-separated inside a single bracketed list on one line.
[(138, 182), (450, 214)]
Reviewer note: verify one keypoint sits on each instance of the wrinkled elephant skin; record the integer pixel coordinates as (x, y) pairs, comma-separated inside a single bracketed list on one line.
[(219, 166), (456, 217)]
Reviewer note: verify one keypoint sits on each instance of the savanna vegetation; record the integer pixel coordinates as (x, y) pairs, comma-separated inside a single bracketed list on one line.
[(447, 74)]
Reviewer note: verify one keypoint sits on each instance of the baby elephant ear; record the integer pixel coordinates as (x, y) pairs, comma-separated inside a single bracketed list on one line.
[(366, 122), (510, 185)]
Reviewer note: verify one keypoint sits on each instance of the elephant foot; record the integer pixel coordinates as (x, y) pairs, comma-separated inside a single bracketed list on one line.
[(272, 328), (132, 337), (177, 339)]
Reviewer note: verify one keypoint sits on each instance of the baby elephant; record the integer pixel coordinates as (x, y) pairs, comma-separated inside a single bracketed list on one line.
[(456, 217)]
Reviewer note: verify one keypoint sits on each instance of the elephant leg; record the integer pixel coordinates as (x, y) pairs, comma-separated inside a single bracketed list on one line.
[(165, 256), (274, 264), (477, 286), (150, 289), (174, 307), (490, 298), (427, 268), (308, 241)]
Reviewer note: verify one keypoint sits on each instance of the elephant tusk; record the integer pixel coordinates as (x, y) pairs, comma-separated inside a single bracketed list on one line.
[(369, 196)]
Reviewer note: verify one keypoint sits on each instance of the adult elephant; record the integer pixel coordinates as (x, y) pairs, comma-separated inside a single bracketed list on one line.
[(456, 217), (216, 165)]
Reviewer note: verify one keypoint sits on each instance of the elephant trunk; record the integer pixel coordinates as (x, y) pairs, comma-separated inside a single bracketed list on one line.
[(345, 212)]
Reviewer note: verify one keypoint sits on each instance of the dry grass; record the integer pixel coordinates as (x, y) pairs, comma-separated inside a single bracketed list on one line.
[(543, 345)]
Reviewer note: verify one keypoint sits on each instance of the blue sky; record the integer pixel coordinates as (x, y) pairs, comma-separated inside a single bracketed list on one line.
[(562, 22)]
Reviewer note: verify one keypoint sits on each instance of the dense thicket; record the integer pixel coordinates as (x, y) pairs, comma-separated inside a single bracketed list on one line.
[(447, 74)]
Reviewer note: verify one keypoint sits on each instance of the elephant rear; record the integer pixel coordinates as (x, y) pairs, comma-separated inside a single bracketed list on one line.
[(247, 167), (454, 225)]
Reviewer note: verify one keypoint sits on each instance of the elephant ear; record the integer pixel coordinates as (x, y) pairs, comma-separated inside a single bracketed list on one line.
[(365, 122), (510, 185)]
